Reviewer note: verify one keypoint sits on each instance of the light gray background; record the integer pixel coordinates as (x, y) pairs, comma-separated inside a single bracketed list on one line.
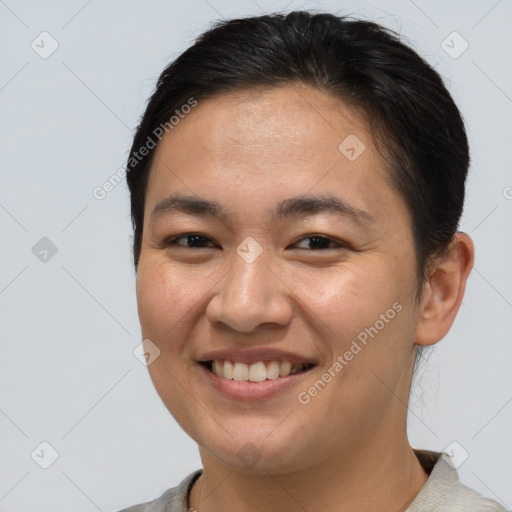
[(69, 326)]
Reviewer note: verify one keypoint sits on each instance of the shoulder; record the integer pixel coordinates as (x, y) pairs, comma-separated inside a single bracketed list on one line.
[(172, 500), (443, 491), (467, 499)]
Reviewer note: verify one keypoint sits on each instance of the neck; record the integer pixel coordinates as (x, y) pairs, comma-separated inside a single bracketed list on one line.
[(364, 477)]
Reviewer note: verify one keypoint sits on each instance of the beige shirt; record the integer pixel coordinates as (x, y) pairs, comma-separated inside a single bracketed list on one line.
[(442, 492)]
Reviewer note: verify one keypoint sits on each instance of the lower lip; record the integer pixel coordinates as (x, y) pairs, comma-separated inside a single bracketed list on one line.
[(247, 390)]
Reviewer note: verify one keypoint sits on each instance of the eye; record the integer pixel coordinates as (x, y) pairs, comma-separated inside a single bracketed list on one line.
[(192, 240), (198, 241), (319, 242)]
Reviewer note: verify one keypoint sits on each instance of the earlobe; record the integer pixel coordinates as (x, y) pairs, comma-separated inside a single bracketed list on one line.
[(444, 290)]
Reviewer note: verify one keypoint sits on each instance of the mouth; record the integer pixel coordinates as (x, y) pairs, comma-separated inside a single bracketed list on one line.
[(255, 374), (259, 371)]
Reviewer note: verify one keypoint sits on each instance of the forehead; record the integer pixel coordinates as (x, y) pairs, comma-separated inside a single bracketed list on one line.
[(288, 121), (267, 145)]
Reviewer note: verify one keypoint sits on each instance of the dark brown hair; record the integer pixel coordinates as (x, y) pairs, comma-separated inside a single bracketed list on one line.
[(416, 124)]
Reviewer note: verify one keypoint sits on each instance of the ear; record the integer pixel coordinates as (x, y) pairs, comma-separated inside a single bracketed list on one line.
[(444, 290)]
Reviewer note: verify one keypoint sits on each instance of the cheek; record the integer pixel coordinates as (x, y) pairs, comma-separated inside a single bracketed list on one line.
[(164, 296), (348, 300), (365, 313)]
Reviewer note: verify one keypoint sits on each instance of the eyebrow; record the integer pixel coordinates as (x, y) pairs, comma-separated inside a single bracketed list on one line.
[(294, 206)]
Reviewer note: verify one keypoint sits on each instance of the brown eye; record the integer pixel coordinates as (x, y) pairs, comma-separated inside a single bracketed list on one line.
[(192, 240), (319, 242)]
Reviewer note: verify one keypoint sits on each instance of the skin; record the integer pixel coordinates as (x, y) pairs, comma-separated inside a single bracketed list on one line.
[(248, 151)]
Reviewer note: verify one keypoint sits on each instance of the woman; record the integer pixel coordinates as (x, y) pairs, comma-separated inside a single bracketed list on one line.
[(296, 186)]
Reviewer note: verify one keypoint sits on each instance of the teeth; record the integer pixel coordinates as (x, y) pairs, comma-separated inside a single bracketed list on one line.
[(218, 368), (240, 371), (285, 369), (256, 372), (273, 370), (228, 369)]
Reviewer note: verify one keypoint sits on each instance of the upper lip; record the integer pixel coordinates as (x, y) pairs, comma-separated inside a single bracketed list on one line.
[(253, 355)]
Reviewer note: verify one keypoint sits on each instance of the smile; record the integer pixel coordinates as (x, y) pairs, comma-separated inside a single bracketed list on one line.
[(255, 372)]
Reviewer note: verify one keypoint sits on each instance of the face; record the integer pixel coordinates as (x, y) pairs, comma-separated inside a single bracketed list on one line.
[(269, 248)]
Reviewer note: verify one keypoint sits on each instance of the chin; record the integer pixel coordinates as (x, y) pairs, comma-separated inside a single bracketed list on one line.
[(258, 453)]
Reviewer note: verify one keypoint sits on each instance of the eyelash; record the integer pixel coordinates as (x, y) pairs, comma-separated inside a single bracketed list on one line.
[(173, 241)]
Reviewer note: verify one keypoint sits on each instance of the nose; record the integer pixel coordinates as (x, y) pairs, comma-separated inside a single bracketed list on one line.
[(251, 295)]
